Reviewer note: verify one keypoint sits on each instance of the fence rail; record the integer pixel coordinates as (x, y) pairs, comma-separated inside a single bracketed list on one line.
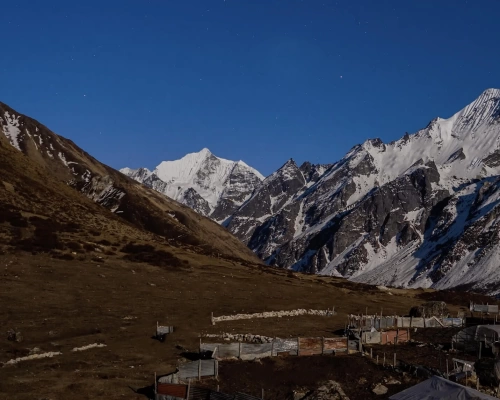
[(484, 308), (295, 347), (188, 392), (198, 369), (369, 322)]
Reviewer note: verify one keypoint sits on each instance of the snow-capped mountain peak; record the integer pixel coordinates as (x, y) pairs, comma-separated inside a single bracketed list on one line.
[(406, 213), (209, 184)]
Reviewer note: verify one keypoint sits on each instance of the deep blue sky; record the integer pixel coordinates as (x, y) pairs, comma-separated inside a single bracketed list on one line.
[(138, 82)]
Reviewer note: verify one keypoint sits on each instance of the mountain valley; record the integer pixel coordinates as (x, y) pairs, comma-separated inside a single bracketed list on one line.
[(417, 212)]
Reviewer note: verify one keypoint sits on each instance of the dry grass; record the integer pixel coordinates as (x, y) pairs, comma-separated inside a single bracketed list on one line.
[(74, 274), (58, 305)]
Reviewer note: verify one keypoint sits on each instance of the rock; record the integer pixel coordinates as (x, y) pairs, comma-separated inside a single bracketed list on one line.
[(298, 395), (392, 381), (331, 390), (362, 381), (11, 335), (380, 389), (14, 336)]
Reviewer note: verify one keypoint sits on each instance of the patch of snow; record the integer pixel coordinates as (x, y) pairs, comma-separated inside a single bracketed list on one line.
[(49, 354), (11, 129), (88, 347), (63, 159)]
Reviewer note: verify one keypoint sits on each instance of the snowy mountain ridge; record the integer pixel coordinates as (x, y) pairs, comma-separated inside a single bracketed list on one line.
[(211, 185), (397, 214), (421, 211)]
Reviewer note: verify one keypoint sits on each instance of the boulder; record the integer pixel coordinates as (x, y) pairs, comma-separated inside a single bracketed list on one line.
[(380, 389)]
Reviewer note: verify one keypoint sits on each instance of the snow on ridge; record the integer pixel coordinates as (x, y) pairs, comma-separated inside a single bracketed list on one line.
[(245, 165), (127, 170), (11, 129), (207, 174), (470, 130)]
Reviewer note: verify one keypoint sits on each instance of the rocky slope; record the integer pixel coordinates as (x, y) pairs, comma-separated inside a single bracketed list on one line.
[(419, 211), (48, 176), (210, 185)]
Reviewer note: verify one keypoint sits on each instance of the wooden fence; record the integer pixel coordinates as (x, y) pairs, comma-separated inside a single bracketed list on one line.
[(295, 346), (484, 308), (393, 336), (369, 322), (188, 392), (198, 369)]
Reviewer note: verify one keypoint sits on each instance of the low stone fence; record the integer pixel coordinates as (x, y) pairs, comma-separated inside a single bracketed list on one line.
[(240, 337), (273, 314)]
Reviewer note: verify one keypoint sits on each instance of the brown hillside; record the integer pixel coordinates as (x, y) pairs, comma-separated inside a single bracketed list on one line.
[(52, 161)]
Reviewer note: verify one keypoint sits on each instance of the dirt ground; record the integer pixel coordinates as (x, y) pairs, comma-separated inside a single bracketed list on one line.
[(280, 376), (427, 355), (58, 305)]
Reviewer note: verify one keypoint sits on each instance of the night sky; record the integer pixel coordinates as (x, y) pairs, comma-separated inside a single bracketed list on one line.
[(138, 82)]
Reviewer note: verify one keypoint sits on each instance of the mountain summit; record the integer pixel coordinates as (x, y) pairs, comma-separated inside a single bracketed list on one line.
[(417, 212), (420, 211), (208, 184)]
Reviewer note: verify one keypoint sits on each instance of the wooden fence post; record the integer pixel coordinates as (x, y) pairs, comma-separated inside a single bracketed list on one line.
[(394, 360), (239, 350), (156, 386), (199, 369), (377, 359), (272, 348), (480, 348), (298, 346), (322, 345), (262, 397), (216, 370), (212, 318), (384, 360), (189, 388), (371, 352)]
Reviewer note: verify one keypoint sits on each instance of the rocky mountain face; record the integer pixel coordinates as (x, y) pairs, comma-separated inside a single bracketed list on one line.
[(417, 212), (33, 153), (210, 185)]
